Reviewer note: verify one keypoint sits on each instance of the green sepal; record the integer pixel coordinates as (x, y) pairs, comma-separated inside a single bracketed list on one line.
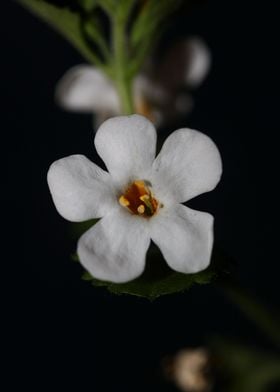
[(158, 279)]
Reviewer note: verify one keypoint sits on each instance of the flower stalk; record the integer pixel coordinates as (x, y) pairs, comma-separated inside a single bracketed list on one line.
[(267, 321)]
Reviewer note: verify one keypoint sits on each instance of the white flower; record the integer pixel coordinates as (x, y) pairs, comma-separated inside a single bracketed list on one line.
[(139, 198), (189, 370), (157, 92)]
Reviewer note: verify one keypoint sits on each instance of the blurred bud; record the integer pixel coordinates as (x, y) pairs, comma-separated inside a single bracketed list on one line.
[(189, 369)]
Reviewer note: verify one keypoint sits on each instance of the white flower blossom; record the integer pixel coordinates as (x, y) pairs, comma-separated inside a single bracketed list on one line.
[(157, 92), (189, 368), (139, 198)]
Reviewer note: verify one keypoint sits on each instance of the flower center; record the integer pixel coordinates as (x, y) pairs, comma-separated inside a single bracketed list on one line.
[(139, 200)]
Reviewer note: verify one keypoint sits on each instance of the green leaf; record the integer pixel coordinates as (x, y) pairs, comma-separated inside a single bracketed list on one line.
[(88, 5), (153, 12), (65, 21), (108, 6), (74, 257), (93, 32), (147, 28), (158, 279), (77, 229)]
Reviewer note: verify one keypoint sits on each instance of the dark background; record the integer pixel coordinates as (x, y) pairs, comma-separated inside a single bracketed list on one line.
[(68, 333)]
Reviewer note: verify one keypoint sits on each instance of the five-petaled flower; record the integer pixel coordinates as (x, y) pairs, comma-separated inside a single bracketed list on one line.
[(139, 198), (161, 92)]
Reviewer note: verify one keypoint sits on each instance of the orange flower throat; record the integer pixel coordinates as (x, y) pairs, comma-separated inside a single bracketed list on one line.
[(138, 199)]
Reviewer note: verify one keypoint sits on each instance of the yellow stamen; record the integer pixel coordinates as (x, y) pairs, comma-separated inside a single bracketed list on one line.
[(149, 202), (140, 184), (123, 201), (141, 209), (144, 198), (138, 199)]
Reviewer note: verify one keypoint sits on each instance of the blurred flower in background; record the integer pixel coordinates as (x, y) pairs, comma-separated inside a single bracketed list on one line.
[(189, 370), (223, 365), (161, 92)]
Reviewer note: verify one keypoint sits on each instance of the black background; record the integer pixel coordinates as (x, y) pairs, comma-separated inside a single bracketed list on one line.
[(68, 333)]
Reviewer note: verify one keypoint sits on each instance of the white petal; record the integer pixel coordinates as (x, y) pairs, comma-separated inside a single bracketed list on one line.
[(80, 189), (188, 164), (127, 145), (198, 61), (185, 238), (85, 88), (115, 248)]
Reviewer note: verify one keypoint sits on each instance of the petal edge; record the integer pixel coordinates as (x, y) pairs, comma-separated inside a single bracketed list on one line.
[(115, 248), (188, 164), (127, 145), (80, 189), (185, 238)]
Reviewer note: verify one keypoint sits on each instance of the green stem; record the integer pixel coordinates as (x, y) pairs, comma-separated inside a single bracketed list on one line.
[(267, 321), (122, 80)]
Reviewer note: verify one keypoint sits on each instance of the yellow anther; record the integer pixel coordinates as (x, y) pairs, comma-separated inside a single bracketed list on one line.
[(123, 201), (139, 184), (145, 198), (141, 209), (148, 201), (138, 199)]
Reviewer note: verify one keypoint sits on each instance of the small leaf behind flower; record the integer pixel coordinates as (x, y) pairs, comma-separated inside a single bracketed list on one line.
[(79, 228), (158, 279)]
